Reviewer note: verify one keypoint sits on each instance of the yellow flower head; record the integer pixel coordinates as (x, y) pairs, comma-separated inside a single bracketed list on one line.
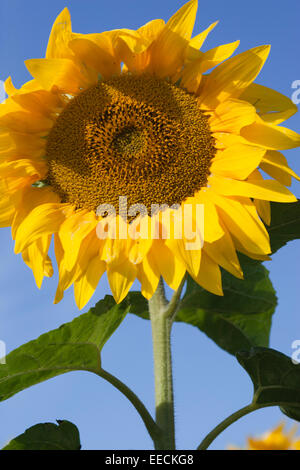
[(276, 439), (134, 122)]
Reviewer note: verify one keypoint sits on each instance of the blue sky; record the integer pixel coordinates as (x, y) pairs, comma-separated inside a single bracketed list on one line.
[(209, 383)]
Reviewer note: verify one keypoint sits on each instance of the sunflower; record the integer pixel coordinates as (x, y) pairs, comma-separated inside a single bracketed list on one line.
[(275, 439), (135, 115)]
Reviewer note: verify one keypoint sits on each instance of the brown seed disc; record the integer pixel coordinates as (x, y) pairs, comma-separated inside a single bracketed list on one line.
[(134, 136)]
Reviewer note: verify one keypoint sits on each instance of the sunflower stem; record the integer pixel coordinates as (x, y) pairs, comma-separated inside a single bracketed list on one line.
[(162, 316), (150, 424), (227, 422)]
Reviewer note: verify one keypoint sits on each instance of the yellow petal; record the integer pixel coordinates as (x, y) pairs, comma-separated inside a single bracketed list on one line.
[(35, 256), (40, 101), (89, 249), (191, 259), (27, 87), (182, 22), (134, 48), (230, 79), (192, 73), (31, 198), (64, 74), (108, 41), (241, 220), (169, 265), (187, 243), (7, 144), (224, 140), (116, 243), (218, 54), (271, 136), (263, 207), (7, 205), (7, 212), (269, 190), (85, 286), (114, 251), (167, 55), (95, 57), (45, 219), (169, 49), (209, 275), (32, 98), (197, 41), (22, 121), (121, 278), (191, 76), (9, 106), (211, 58), (135, 42), (223, 252), (151, 30), (72, 232), (14, 145), (271, 105), (66, 278), (264, 210), (276, 165), (248, 253), (237, 162), (9, 87), (148, 274), (134, 54), (60, 36), (212, 226), (22, 168), (48, 268), (231, 116), (20, 173), (139, 250)]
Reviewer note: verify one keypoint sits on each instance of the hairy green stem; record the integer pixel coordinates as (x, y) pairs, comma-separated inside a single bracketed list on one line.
[(164, 400), (150, 424), (162, 315), (227, 422)]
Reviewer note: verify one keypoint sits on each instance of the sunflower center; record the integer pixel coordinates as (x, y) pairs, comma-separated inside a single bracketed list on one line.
[(134, 136), (129, 142)]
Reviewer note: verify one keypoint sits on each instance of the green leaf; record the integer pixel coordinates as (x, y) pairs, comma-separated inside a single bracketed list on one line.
[(73, 346), (138, 304), (275, 377), (47, 436), (285, 224), (242, 317), (239, 320)]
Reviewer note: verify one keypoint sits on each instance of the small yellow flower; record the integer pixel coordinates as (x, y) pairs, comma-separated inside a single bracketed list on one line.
[(138, 114), (276, 439)]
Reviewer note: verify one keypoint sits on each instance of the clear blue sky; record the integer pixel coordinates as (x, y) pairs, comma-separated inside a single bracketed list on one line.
[(209, 383)]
